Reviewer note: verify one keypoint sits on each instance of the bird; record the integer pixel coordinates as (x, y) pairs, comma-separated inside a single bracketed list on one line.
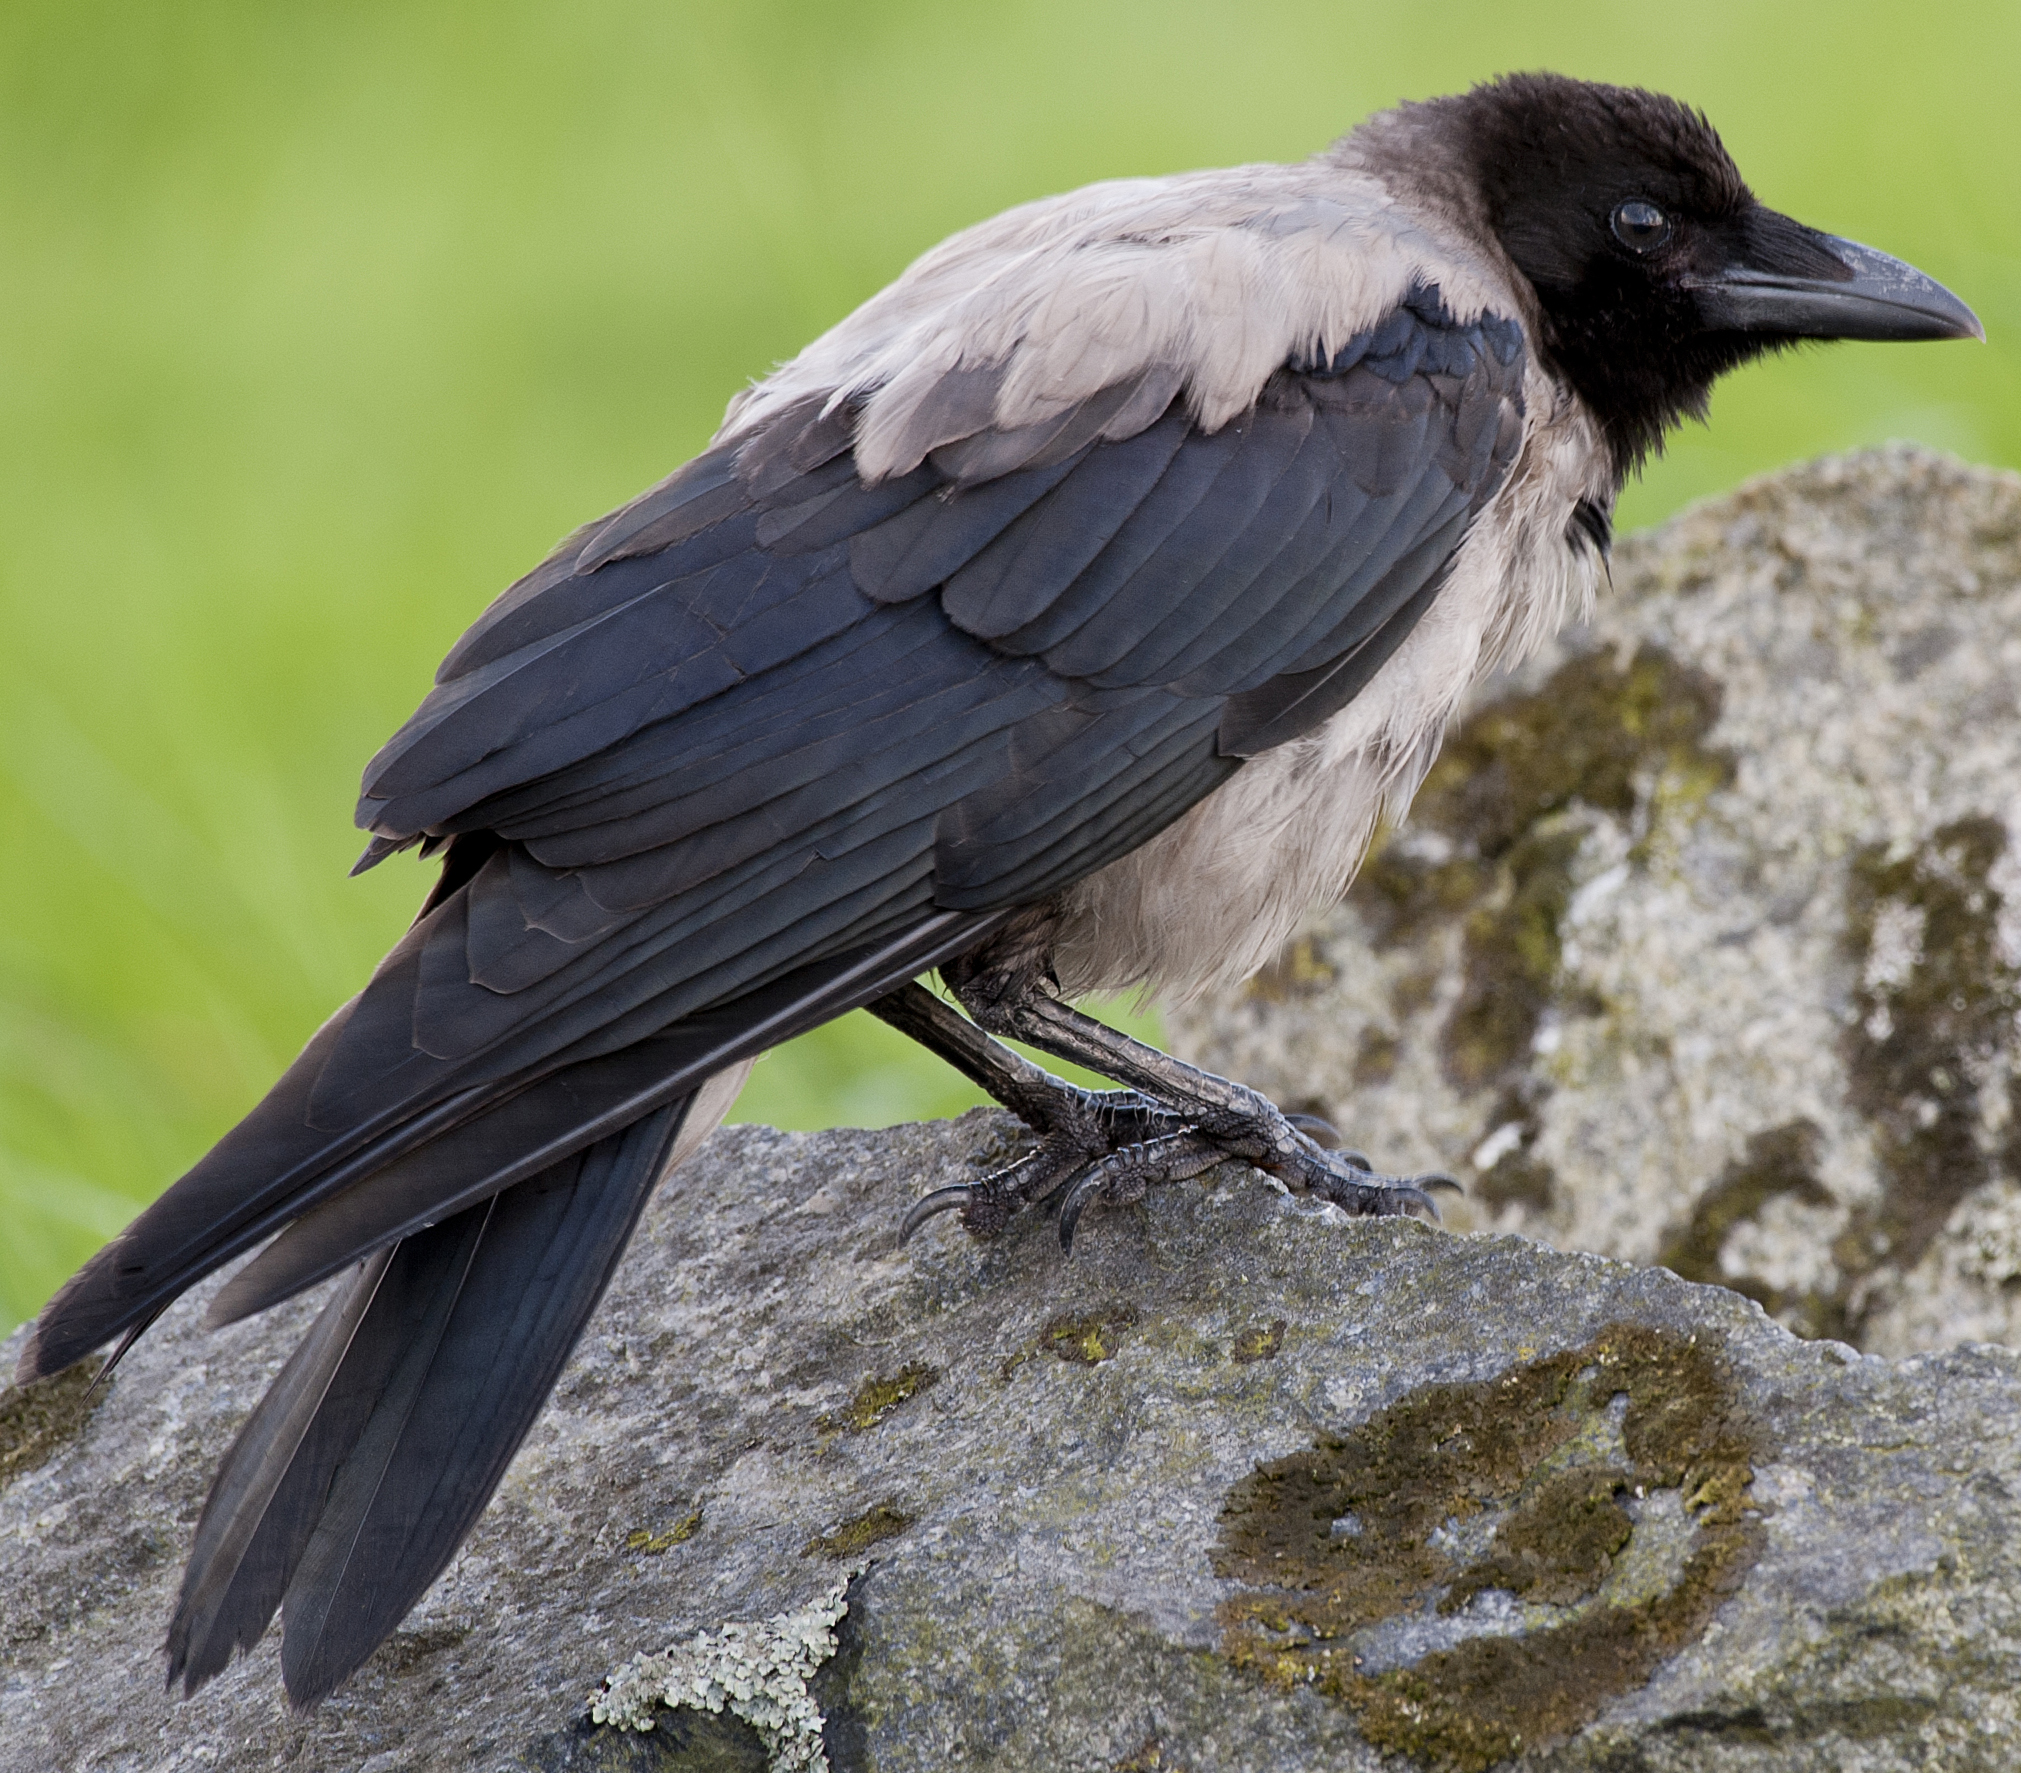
[(1065, 619)]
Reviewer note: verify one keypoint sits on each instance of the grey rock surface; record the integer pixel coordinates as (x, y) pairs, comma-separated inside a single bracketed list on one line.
[(1244, 1485), (1702, 944)]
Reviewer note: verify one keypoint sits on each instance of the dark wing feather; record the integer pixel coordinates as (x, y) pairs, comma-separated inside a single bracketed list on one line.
[(268, 1494), (273, 1168), (697, 762), (744, 755)]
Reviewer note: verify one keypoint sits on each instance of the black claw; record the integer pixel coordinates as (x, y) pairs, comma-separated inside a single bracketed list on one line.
[(1321, 1132), (941, 1200), (1071, 1208), (1438, 1179), (1409, 1201), (1378, 1196), (1359, 1159)]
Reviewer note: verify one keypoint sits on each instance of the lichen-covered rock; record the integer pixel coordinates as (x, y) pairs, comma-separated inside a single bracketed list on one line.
[(1243, 1485), (1702, 944)]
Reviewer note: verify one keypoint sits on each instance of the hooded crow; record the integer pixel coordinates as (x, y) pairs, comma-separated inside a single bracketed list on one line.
[(1063, 620)]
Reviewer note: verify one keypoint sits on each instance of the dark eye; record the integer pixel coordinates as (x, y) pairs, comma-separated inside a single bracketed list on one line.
[(1640, 226)]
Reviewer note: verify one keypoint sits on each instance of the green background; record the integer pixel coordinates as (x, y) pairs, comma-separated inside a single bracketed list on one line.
[(319, 323)]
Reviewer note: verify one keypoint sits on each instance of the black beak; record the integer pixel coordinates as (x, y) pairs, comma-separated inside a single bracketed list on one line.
[(1871, 296)]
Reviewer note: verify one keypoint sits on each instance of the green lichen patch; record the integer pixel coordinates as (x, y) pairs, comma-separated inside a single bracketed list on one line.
[(854, 1537), (1934, 1013), (877, 1397), (37, 1420), (1260, 1342), (1511, 954), (650, 1542), (1592, 734), (1527, 1483), (1507, 797), (1084, 1341), (1087, 1341)]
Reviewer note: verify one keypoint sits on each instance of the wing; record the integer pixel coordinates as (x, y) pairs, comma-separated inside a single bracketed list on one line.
[(775, 737)]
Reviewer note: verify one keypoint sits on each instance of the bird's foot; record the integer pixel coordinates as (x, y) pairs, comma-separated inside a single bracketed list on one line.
[(1121, 1145), (1080, 1132), (1113, 1146), (1209, 1119), (1343, 1177)]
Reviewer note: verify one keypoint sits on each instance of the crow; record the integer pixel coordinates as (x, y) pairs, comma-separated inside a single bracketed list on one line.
[(1064, 619)]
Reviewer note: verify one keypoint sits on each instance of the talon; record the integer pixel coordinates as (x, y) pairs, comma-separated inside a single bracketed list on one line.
[(1360, 1160), (1321, 1132), (1072, 1206), (1364, 1193), (941, 1200), (1438, 1179), (1397, 1201)]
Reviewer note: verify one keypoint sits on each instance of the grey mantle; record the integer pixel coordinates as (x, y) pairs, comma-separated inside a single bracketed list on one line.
[(1244, 1484)]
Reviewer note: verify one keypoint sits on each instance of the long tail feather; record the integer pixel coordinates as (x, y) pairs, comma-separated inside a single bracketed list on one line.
[(382, 1440), (269, 1492)]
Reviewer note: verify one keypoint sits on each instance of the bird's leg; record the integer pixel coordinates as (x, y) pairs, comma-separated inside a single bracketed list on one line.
[(1212, 1114), (1079, 1130)]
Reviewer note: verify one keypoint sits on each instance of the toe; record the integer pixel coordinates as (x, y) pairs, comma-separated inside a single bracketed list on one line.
[(1320, 1131)]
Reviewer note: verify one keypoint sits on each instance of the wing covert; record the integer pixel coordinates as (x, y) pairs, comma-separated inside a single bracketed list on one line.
[(769, 689), (770, 739)]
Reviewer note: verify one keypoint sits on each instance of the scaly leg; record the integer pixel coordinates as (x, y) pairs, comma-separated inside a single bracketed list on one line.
[(1005, 987), (1077, 1128), (1114, 1145)]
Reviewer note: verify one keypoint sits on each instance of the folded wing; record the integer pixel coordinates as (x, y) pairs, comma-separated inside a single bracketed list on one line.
[(771, 739)]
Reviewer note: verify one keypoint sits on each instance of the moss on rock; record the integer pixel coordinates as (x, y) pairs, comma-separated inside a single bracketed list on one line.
[(1556, 1457), (650, 1541), (1503, 805), (877, 1397), (1778, 1161), (1084, 1340), (37, 1420), (857, 1535), (1934, 1006)]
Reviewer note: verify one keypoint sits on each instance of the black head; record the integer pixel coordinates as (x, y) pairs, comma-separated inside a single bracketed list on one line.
[(1655, 268)]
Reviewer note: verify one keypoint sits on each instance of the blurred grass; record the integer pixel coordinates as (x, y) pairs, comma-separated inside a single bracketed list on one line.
[(319, 322)]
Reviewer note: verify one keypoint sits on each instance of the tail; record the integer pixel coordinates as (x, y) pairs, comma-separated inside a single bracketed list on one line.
[(373, 1453)]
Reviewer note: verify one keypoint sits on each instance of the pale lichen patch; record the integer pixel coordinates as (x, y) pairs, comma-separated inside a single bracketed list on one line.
[(755, 1670)]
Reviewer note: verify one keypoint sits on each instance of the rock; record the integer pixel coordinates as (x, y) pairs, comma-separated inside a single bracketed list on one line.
[(1243, 1485), (1702, 944)]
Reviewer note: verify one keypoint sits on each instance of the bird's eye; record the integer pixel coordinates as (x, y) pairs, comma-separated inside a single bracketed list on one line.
[(1640, 226)]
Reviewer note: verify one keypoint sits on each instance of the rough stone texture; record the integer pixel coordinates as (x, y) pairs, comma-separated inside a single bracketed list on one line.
[(1702, 945), (1244, 1485)]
